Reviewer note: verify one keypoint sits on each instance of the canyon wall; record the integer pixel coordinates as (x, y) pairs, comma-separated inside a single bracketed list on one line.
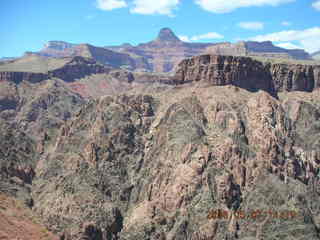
[(248, 73)]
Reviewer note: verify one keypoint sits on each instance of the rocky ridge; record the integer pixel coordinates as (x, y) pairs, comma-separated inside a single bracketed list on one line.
[(104, 56), (165, 52)]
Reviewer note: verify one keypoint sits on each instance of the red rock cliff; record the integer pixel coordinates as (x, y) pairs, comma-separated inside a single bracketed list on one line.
[(248, 73)]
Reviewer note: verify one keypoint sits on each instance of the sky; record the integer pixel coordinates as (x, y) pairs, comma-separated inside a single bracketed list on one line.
[(26, 25)]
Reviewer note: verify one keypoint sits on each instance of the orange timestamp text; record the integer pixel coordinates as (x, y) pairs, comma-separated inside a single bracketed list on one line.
[(254, 214)]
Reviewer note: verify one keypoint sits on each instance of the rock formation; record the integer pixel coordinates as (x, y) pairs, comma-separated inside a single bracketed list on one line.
[(262, 49), (101, 55), (164, 53), (248, 73), (227, 148), (126, 168), (18, 77)]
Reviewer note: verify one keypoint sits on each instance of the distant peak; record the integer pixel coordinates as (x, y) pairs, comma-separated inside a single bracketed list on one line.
[(166, 34)]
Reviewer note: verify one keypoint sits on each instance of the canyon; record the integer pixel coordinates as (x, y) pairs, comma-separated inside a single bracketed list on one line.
[(93, 150)]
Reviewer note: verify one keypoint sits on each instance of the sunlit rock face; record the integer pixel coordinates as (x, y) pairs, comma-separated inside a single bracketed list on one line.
[(153, 167), (248, 73)]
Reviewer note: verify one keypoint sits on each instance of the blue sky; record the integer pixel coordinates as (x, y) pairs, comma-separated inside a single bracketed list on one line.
[(25, 25)]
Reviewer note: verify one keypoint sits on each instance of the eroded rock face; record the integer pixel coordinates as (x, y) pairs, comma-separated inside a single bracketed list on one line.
[(219, 70), (112, 144), (294, 77), (18, 157), (144, 167), (249, 74)]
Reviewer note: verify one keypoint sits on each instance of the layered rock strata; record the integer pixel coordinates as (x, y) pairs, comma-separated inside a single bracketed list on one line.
[(248, 73)]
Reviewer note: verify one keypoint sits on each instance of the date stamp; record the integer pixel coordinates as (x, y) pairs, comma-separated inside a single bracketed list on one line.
[(253, 214)]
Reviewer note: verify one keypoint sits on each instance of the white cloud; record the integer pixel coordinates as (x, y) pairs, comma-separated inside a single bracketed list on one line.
[(164, 7), (224, 6), (312, 44), (251, 25), (109, 5), (184, 38), (309, 39), (288, 45), (316, 5), (209, 35), (286, 23), (289, 35)]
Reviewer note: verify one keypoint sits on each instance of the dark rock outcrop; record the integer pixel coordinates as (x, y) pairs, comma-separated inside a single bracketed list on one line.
[(78, 68), (18, 77), (18, 157), (122, 75), (167, 35)]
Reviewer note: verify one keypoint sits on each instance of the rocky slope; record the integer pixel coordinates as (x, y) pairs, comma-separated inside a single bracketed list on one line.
[(248, 73), (126, 168), (82, 75), (228, 148), (18, 222), (37, 108)]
